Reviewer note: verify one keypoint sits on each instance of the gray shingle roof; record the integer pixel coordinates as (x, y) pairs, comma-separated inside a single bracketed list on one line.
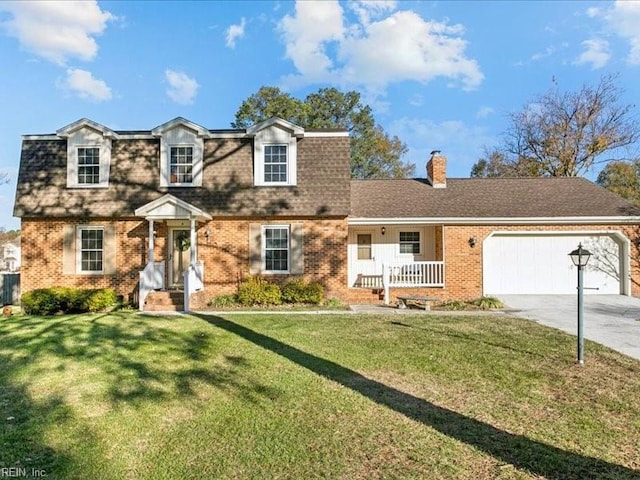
[(322, 182), (486, 198)]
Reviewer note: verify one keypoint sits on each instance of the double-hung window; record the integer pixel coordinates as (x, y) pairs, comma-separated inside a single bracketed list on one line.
[(181, 164), (275, 164), (276, 248), (88, 165), (91, 251), (410, 242)]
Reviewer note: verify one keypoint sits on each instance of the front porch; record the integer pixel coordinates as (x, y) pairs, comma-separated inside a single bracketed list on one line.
[(178, 270), (387, 256)]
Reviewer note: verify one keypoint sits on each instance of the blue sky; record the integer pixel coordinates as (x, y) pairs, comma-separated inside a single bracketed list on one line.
[(439, 75)]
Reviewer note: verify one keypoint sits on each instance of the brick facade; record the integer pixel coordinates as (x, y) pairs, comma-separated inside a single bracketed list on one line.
[(225, 254), (463, 263)]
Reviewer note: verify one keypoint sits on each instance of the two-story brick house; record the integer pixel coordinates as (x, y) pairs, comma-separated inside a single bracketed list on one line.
[(145, 210), (196, 210)]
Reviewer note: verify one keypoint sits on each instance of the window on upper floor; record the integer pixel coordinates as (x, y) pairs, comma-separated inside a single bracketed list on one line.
[(88, 165), (181, 157), (275, 157), (181, 164), (88, 159), (275, 164)]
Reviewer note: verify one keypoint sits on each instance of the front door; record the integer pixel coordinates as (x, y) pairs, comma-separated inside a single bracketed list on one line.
[(180, 255)]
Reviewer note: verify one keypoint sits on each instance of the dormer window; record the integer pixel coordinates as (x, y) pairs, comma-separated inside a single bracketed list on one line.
[(275, 164), (88, 154), (275, 144), (181, 164), (88, 165), (181, 153)]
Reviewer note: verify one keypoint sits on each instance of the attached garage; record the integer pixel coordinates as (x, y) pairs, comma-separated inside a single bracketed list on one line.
[(538, 263)]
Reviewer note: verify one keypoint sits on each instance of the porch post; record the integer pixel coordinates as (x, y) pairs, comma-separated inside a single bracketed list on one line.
[(150, 257), (194, 242)]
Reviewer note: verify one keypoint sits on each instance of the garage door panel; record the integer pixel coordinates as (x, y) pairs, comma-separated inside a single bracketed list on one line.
[(540, 264)]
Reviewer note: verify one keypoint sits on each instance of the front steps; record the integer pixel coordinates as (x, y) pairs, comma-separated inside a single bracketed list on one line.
[(164, 301)]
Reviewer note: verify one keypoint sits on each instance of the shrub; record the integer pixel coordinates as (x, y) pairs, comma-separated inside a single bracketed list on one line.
[(50, 301), (487, 303), (99, 300), (257, 291), (222, 301), (297, 291), (453, 305), (42, 301)]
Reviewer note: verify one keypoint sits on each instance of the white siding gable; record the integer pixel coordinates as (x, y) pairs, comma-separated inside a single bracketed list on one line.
[(181, 136), (274, 135)]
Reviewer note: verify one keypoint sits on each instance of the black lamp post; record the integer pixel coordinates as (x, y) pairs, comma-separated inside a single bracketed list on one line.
[(580, 258)]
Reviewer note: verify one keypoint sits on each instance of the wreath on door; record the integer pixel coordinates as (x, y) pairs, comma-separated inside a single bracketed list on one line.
[(183, 242)]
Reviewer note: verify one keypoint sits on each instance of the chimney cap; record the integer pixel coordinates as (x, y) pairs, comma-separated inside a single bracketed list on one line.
[(435, 152)]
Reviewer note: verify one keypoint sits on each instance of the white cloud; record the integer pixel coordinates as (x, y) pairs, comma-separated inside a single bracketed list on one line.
[(306, 35), (540, 55), (623, 19), (593, 12), (367, 9), (57, 30), (484, 112), (596, 53), (182, 89), (235, 32), (84, 85), (401, 46)]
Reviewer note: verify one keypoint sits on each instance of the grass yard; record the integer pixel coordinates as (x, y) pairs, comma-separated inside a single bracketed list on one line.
[(130, 396)]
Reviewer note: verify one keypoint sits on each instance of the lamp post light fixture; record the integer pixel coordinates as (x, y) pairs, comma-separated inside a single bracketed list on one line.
[(580, 258)]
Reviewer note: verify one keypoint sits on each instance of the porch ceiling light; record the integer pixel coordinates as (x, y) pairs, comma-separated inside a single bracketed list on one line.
[(580, 256)]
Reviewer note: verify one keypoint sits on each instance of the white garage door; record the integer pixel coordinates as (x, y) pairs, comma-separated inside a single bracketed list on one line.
[(540, 264)]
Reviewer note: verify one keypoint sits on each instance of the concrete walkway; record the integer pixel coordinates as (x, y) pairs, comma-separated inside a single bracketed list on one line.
[(611, 320)]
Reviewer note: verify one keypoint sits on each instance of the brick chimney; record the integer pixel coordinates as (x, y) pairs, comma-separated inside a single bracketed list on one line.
[(437, 170)]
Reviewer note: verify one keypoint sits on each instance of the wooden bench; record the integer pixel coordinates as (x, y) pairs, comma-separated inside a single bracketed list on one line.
[(403, 299)]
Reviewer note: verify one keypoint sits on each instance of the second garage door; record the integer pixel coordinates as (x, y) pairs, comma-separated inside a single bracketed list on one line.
[(540, 264)]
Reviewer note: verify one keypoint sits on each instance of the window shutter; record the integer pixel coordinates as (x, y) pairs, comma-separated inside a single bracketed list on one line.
[(68, 249), (255, 248), (297, 253), (109, 249)]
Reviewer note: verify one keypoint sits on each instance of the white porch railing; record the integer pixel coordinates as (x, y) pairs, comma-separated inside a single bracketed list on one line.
[(193, 281), (151, 278), (412, 275)]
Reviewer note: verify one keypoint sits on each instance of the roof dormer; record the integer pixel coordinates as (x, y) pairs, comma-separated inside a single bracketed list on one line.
[(275, 152), (88, 153), (181, 152)]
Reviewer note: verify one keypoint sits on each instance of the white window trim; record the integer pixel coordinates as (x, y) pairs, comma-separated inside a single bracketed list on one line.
[(180, 136), (420, 236), (193, 164), (264, 163), (79, 230), (104, 156), (263, 248), (275, 136), (77, 166)]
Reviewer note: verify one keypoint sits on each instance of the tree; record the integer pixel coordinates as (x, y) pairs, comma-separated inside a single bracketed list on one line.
[(622, 178), (566, 133), (495, 164), (374, 154)]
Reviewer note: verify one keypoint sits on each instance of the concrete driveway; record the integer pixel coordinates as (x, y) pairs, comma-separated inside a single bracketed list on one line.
[(611, 320)]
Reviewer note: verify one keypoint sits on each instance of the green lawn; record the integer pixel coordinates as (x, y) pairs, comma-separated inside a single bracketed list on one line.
[(312, 396)]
